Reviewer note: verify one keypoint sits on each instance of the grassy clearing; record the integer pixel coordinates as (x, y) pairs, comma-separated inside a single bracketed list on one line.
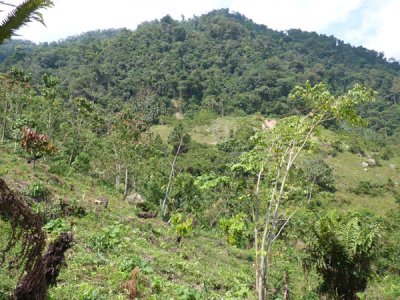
[(162, 130), (349, 172), (219, 130), (210, 131)]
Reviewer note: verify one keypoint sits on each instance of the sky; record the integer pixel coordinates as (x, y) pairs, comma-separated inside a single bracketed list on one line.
[(373, 24)]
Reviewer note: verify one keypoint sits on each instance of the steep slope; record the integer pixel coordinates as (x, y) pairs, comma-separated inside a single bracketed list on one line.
[(113, 246), (105, 253)]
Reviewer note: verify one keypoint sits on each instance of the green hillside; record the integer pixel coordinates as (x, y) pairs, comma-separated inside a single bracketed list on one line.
[(220, 61), (105, 253), (209, 158), (203, 265)]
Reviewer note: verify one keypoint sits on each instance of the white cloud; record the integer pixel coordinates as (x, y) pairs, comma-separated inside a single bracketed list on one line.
[(386, 38), (310, 15)]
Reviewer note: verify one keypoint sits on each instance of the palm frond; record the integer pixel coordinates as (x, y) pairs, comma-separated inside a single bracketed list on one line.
[(7, 4), (22, 14)]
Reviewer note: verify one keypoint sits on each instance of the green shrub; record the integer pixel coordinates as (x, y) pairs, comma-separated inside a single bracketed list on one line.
[(356, 149), (188, 293), (185, 194), (59, 167), (37, 191), (386, 153), (72, 208), (393, 292), (397, 198), (321, 201), (182, 225), (342, 249), (6, 286), (337, 145), (81, 163), (127, 264), (88, 292), (108, 237), (57, 226), (369, 188), (235, 229), (310, 295), (318, 172), (238, 290), (156, 285), (179, 139)]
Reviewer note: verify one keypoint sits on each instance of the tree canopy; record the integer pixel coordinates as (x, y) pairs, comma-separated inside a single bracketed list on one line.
[(220, 61)]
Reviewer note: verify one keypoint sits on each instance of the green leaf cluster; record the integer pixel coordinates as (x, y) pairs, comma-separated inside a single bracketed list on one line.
[(342, 249)]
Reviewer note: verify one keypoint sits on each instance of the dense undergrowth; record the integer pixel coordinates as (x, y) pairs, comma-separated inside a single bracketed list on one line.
[(113, 245)]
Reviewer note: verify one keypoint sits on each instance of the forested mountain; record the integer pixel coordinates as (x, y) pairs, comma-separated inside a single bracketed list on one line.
[(221, 61)]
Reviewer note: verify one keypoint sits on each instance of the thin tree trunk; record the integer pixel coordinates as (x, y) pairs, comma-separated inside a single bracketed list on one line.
[(263, 272), (285, 295), (171, 174), (126, 191), (34, 163), (135, 183), (71, 157), (118, 177), (16, 133), (3, 136), (49, 126), (268, 234), (271, 235), (255, 221)]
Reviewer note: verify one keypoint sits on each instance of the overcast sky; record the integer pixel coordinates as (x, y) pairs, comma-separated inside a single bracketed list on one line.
[(373, 24)]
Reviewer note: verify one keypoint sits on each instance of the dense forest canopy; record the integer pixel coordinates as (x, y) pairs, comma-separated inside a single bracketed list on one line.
[(220, 61)]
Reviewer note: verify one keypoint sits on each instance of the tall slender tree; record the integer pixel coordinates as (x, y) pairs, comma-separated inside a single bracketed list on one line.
[(273, 158)]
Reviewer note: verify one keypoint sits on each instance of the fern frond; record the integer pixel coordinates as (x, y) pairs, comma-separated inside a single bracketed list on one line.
[(349, 235), (21, 15)]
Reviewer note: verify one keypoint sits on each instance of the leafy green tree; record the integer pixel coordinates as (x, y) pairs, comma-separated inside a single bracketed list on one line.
[(52, 103), (81, 163), (184, 195), (15, 85), (127, 135), (75, 134), (319, 173), (179, 139), (342, 249), (395, 89), (273, 158)]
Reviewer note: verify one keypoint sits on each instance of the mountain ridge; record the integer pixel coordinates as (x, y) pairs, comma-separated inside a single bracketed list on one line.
[(220, 61)]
